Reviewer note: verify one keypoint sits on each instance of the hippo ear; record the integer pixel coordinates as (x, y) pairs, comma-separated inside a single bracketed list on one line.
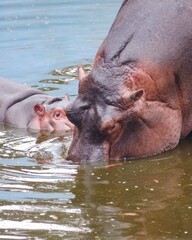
[(66, 97), (131, 97), (81, 73), (39, 109)]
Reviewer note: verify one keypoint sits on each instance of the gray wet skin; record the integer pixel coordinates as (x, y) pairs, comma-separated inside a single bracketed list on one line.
[(137, 100), (24, 107)]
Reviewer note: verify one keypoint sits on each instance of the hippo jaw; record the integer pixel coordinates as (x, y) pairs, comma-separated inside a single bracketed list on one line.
[(82, 150)]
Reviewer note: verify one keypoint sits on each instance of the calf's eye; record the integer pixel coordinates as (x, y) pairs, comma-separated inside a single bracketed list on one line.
[(57, 115)]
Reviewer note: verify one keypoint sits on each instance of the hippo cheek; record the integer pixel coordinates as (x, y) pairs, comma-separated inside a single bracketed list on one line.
[(68, 125), (34, 124), (62, 125), (38, 125), (59, 121), (46, 126)]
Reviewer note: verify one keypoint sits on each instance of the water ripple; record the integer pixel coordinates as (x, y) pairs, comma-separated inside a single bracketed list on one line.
[(39, 209), (42, 174), (28, 225), (20, 143), (9, 237)]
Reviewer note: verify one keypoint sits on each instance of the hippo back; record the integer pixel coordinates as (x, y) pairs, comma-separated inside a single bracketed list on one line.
[(12, 93)]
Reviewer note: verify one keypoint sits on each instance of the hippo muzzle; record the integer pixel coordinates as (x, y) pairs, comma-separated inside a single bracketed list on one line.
[(85, 151), (88, 143)]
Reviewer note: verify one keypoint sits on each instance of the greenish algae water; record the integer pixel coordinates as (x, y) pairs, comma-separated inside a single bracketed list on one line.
[(42, 196)]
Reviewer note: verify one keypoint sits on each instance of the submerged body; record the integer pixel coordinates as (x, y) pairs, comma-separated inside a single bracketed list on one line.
[(137, 100), (24, 107)]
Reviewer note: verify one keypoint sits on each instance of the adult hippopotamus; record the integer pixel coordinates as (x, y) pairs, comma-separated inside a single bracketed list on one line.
[(24, 107), (137, 100)]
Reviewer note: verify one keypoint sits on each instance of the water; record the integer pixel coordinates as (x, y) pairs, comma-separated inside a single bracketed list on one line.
[(42, 196)]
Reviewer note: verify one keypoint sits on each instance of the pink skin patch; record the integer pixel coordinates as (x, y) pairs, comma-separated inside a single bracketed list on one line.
[(39, 109), (53, 120)]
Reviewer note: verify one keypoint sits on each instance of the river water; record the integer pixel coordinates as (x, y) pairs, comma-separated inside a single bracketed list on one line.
[(42, 196)]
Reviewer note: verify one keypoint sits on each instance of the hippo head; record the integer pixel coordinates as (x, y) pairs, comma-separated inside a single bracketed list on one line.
[(101, 113), (51, 116), (119, 114)]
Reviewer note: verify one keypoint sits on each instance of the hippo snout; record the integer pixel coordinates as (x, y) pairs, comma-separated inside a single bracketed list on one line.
[(82, 150), (87, 154)]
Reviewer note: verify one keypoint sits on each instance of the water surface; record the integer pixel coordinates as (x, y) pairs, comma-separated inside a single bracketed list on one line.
[(42, 196)]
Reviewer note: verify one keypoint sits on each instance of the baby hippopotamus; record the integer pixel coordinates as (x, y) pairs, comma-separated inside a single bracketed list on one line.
[(22, 106)]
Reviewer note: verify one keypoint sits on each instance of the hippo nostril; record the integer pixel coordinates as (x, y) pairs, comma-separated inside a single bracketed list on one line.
[(71, 116), (70, 113), (85, 107), (111, 129), (113, 132), (74, 117)]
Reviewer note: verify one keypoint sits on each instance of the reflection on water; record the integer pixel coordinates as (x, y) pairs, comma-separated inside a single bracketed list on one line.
[(35, 199), (63, 76), (46, 196), (16, 143), (70, 71), (43, 196), (143, 199)]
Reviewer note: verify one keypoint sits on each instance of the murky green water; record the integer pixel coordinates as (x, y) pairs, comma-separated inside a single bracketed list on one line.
[(42, 196)]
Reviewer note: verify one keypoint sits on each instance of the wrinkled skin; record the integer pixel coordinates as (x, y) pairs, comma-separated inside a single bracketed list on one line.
[(137, 100), (25, 107)]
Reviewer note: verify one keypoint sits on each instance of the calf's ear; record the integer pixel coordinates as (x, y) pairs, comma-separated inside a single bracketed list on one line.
[(39, 109), (81, 73), (130, 97), (66, 97)]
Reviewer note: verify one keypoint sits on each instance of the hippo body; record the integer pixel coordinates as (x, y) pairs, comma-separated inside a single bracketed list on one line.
[(24, 107), (137, 100)]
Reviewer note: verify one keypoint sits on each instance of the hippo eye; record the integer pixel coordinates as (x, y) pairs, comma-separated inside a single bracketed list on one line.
[(85, 107), (57, 115)]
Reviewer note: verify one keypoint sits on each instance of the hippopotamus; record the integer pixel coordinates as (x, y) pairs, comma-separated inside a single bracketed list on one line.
[(137, 99), (22, 106)]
